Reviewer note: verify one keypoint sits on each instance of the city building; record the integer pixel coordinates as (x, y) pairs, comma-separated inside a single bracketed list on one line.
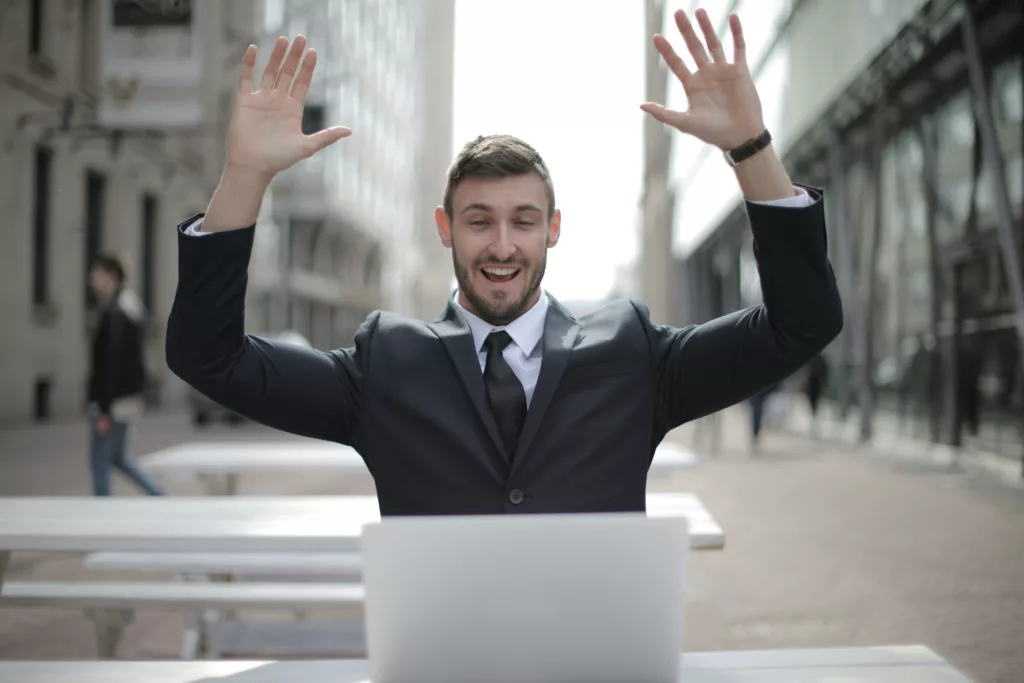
[(111, 115), (112, 124), (351, 229), (910, 118)]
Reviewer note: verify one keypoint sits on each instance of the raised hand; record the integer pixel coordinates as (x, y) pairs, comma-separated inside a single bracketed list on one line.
[(724, 109), (265, 134)]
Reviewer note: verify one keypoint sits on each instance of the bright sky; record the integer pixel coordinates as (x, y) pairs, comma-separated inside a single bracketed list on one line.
[(566, 76)]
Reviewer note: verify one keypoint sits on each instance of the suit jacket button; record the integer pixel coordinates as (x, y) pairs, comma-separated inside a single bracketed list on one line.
[(515, 496)]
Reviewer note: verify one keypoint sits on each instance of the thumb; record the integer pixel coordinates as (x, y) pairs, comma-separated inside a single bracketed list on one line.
[(317, 141), (671, 117)]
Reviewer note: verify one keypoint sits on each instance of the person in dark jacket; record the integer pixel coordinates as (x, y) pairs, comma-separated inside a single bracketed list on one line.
[(117, 376)]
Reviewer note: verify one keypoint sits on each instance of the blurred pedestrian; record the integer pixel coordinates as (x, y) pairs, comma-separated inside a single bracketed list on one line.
[(117, 376), (814, 384), (758, 402)]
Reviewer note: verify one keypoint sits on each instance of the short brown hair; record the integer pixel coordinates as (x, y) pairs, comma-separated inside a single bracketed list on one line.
[(497, 156), (112, 264)]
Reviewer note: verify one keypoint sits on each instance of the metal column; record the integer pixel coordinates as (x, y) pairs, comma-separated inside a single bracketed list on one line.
[(868, 398), (847, 278)]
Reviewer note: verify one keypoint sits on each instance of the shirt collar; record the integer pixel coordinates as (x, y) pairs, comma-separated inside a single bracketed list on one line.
[(526, 330)]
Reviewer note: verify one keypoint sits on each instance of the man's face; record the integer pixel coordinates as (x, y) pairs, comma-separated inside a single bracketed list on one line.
[(103, 283), (499, 233)]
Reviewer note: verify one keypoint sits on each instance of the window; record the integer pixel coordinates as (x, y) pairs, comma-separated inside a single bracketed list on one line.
[(313, 116), (88, 58), (41, 227), (273, 16), (95, 194), (38, 38), (37, 22), (148, 260), (41, 398), (133, 14)]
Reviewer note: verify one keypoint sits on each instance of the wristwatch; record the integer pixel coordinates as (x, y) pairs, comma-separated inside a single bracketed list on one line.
[(747, 149)]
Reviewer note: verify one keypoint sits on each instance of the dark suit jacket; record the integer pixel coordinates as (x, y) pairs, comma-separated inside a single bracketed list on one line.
[(410, 397)]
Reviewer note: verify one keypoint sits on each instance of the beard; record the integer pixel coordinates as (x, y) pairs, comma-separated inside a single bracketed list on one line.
[(503, 312)]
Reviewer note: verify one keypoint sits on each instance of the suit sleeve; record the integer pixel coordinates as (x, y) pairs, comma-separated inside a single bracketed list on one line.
[(292, 388), (704, 368)]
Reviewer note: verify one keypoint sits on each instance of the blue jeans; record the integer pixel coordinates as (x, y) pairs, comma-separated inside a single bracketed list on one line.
[(113, 451)]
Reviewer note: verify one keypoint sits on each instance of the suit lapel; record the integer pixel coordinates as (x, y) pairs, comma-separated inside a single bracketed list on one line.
[(560, 332), (457, 338)]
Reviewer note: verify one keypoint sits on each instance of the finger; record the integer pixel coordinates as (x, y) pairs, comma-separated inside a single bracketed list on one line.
[(693, 44), (675, 62), (710, 37), (301, 86), (739, 46), (245, 77), (291, 63), (274, 64), (317, 141), (671, 117)]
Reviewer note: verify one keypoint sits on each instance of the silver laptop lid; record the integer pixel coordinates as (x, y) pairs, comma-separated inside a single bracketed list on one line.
[(546, 598)]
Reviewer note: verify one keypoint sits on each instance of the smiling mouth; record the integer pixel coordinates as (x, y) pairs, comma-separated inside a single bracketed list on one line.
[(500, 273)]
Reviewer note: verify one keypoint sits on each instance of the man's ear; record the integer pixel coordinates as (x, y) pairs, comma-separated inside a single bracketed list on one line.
[(444, 226), (555, 228)]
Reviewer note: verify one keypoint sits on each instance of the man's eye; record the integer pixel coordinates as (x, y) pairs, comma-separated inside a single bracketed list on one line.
[(478, 222), (524, 222)]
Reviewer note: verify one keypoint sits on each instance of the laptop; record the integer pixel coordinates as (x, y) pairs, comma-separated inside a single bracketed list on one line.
[(595, 598)]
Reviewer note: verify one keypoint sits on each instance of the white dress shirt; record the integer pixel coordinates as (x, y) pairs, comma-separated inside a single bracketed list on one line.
[(525, 353)]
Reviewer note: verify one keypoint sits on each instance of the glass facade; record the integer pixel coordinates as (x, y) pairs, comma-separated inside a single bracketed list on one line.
[(942, 318), (914, 241)]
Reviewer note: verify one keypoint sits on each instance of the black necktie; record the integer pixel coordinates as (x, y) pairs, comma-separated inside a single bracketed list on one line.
[(508, 400)]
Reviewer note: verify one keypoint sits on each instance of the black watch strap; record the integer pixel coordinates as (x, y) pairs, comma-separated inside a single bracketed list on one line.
[(748, 148)]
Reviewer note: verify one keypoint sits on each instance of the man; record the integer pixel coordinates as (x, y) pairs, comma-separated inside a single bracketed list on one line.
[(506, 403), (117, 376)]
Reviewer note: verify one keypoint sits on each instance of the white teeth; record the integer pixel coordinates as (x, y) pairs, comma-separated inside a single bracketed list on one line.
[(500, 272)]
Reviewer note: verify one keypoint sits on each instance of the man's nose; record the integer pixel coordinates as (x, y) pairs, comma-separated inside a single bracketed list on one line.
[(503, 248)]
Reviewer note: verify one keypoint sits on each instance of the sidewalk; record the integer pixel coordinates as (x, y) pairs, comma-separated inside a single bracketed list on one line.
[(887, 445), (890, 442), (830, 545)]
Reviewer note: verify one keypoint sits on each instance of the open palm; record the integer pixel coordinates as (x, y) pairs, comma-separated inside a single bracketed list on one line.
[(265, 134), (724, 109)]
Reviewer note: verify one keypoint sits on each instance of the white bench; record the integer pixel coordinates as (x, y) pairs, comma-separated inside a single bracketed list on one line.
[(341, 565), (236, 638), (112, 603)]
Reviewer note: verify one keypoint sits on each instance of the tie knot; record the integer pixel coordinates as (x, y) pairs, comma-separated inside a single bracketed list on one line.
[(497, 341)]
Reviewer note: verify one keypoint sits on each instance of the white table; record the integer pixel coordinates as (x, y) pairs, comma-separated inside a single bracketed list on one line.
[(236, 523), (219, 464), (911, 664)]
